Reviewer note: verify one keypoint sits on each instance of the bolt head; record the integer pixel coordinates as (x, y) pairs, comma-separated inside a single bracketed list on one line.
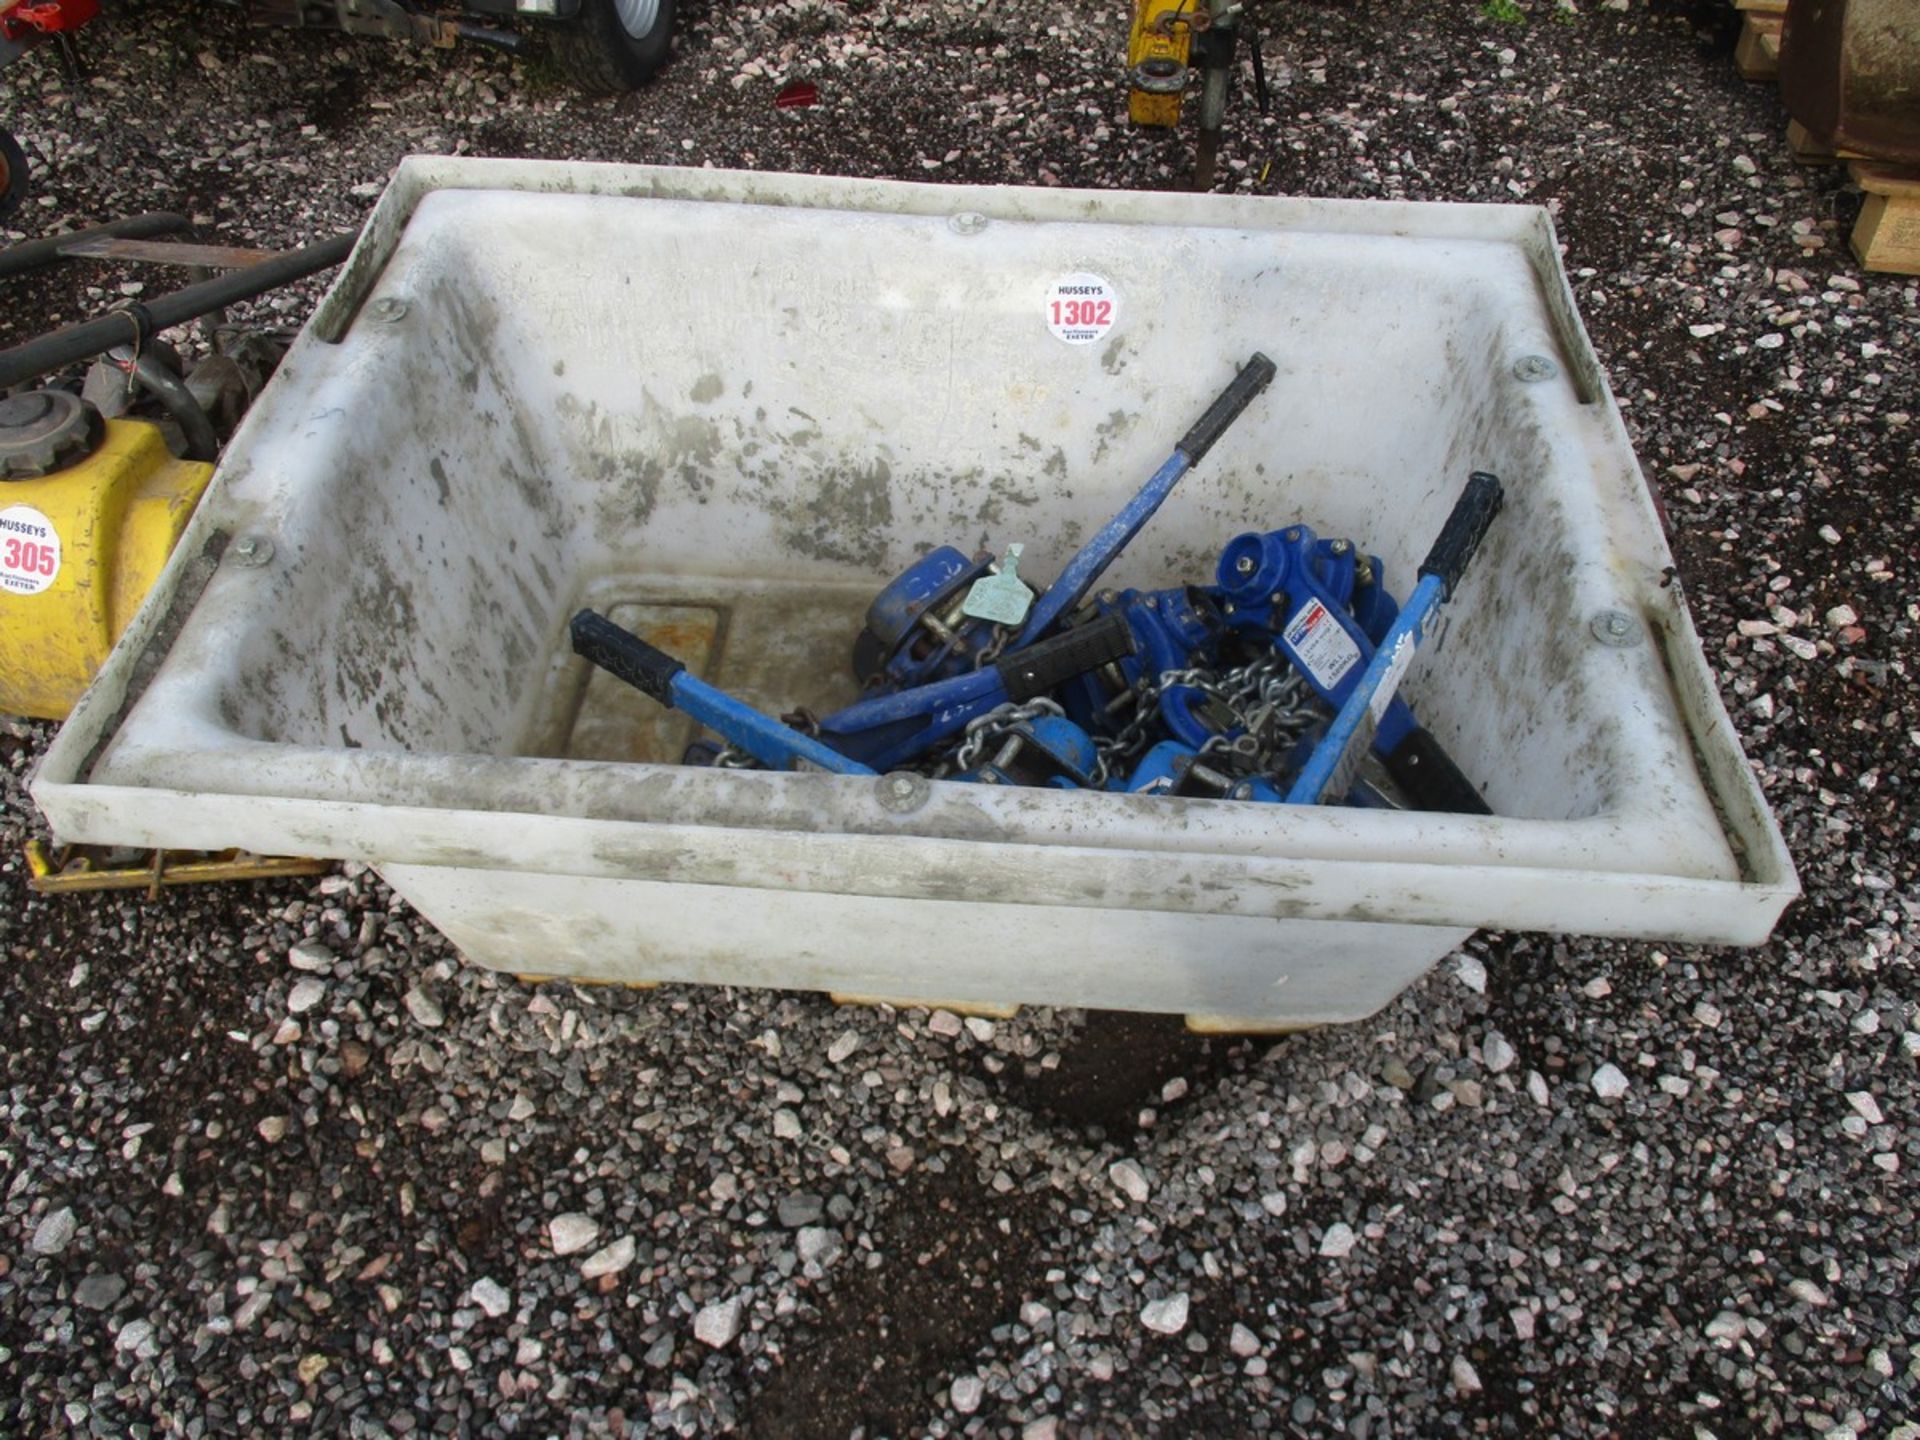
[(1616, 628), (903, 792), (251, 550), (1244, 565)]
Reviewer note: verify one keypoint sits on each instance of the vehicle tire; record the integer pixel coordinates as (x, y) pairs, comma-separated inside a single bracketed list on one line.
[(13, 173), (614, 45)]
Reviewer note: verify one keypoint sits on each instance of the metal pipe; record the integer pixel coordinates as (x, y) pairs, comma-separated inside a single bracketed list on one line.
[(139, 322), (32, 254), (203, 442), (488, 35)]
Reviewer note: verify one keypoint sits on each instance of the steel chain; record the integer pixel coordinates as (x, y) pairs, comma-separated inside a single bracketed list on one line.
[(988, 729), (1271, 703)]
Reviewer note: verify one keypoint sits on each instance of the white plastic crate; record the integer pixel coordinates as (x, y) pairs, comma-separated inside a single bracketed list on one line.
[(728, 407)]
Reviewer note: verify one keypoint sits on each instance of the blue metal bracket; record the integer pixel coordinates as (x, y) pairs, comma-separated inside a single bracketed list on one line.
[(1297, 588)]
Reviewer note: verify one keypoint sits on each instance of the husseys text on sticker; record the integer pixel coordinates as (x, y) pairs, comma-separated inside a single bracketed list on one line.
[(29, 551), (1080, 309)]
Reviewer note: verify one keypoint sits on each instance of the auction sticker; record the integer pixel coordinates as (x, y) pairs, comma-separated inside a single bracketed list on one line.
[(29, 551), (1324, 650), (1081, 309)]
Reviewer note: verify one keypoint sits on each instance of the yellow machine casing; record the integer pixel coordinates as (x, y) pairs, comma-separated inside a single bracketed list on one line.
[(1157, 55), (115, 517)]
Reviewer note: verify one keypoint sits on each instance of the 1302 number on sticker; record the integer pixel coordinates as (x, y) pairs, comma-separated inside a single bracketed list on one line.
[(1075, 314), (29, 551), (1081, 308)]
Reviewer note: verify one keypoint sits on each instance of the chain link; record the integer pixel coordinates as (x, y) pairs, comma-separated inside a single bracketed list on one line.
[(1133, 739), (1271, 704), (989, 729), (992, 650)]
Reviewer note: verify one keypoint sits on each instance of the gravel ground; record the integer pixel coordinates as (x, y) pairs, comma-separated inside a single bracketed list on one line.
[(275, 1158)]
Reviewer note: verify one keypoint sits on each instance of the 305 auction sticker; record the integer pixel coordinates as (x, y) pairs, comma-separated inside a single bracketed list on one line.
[(29, 551), (1081, 308)]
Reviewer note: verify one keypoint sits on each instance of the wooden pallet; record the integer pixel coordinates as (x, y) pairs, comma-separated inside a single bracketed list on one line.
[(1757, 56), (1886, 237), (1810, 149)]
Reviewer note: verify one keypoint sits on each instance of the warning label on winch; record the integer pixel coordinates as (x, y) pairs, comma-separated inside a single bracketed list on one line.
[(1324, 650), (29, 551), (1390, 682), (1081, 308)]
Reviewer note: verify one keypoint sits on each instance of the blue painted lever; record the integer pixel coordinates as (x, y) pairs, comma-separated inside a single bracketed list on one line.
[(1098, 553), (889, 730), (1329, 766), (627, 657)]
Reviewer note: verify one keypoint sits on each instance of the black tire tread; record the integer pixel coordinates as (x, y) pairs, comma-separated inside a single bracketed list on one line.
[(14, 179), (598, 55)]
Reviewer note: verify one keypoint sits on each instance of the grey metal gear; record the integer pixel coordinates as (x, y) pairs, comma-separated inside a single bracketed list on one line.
[(42, 431)]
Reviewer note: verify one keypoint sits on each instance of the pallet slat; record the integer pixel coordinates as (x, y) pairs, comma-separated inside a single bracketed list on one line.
[(1886, 237), (1810, 149), (1757, 56)]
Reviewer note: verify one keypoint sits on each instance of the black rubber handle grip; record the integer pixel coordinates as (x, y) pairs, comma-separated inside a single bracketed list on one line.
[(1254, 377), (1466, 527), (625, 656), (1430, 778), (1038, 668)]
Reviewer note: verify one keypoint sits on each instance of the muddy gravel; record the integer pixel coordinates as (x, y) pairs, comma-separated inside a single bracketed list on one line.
[(275, 1158)]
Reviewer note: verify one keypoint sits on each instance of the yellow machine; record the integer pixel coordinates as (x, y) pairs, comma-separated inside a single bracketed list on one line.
[(1171, 39), (89, 512), (83, 869), (1158, 53)]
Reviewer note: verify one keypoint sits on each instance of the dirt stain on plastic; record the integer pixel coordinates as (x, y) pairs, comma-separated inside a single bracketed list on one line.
[(846, 518), (1110, 432)]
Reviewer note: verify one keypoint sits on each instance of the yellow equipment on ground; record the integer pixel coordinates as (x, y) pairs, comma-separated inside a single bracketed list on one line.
[(1170, 40), (89, 511), (82, 869), (1158, 52)]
